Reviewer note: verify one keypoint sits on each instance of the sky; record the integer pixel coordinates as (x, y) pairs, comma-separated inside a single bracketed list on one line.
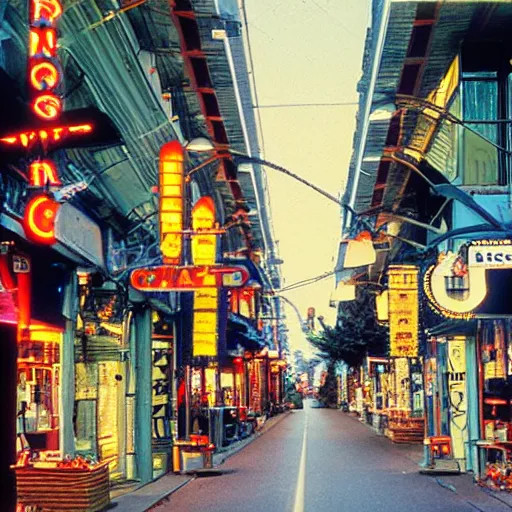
[(307, 51)]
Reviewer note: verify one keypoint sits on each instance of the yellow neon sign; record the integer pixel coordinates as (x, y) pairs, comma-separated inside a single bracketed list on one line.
[(204, 246), (171, 202)]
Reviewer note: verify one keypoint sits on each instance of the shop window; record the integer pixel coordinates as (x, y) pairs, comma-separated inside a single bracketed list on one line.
[(85, 427), (38, 395), (495, 343)]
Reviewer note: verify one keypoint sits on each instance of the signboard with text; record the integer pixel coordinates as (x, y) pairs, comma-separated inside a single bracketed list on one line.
[(403, 310), (170, 278)]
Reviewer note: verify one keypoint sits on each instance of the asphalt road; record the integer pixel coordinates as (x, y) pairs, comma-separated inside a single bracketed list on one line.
[(321, 460)]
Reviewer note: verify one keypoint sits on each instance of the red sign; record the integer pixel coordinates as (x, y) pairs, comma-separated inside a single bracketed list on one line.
[(39, 219), (168, 278), (45, 72)]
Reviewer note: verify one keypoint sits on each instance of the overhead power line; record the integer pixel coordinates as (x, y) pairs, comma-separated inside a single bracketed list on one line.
[(290, 105), (306, 282)]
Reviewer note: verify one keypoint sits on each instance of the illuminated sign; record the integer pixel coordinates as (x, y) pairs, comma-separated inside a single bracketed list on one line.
[(167, 278), (45, 137), (476, 288), (171, 202), (44, 72), (403, 310), (44, 78), (495, 256), (449, 304), (204, 244), (204, 331), (39, 219), (43, 173)]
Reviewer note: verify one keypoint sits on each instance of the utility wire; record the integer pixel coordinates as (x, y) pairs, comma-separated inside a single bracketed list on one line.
[(289, 105), (306, 282)]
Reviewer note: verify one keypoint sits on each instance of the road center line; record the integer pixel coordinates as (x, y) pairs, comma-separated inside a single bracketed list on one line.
[(298, 505)]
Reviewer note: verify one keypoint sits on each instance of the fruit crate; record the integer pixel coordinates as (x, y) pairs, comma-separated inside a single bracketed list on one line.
[(70, 489)]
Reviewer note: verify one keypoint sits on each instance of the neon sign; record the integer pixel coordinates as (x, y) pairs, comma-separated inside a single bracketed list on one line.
[(43, 173), (44, 77), (39, 219), (204, 243), (204, 330), (45, 74), (449, 305), (168, 278), (171, 202)]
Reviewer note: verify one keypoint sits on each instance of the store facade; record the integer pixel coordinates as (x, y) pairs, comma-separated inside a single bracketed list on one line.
[(469, 373)]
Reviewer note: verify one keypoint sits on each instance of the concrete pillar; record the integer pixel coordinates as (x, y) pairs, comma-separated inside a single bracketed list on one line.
[(143, 401), (67, 368)]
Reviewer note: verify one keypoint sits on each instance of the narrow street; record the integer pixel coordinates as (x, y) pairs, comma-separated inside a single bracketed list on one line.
[(346, 467)]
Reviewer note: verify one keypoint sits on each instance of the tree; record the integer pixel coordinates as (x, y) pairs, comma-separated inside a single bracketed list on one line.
[(356, 334)]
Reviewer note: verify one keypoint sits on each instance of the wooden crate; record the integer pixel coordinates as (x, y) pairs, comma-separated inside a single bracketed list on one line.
[(55, 489)]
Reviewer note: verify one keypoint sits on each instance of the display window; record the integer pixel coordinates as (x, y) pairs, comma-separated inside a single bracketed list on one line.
[(38, 394), (227, 388), (495, 339)]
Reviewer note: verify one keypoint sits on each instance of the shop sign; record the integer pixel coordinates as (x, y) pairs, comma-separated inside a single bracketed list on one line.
[(490, 256), (204, 331), (79, 233), (39, 219), (171, 202), (403, 310), (457, 286), (204, 243), (20, 264), (190, 278)]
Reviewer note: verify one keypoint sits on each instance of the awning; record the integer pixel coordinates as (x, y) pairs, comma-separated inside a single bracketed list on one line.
[(241, 332), (454, 328)]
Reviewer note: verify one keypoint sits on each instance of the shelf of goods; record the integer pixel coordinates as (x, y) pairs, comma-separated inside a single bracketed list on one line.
[(404, 429), (58, 488)]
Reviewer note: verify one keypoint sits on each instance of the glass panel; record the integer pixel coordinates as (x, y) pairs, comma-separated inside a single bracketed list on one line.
[(85, 427), (480, 102)]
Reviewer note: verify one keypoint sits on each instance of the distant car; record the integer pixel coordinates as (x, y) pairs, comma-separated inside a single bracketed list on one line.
[(316, 404)]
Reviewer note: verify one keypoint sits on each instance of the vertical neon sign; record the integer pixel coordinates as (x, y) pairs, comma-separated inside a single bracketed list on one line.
[(44, 71), (171, 202)]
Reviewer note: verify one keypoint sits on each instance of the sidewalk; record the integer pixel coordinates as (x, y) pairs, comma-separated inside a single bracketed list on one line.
[(480, 497), (145, 497)]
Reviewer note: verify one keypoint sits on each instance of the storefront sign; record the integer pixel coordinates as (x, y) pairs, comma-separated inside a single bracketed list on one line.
[(458, 285), (495, 256), (39, 219), (79, 233), (204, 245), (171, 202), (20, 264), (403, 310), (45, 73), (168, 278), (204, 331)]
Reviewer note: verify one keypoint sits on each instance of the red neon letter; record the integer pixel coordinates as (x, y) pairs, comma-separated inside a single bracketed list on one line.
[(42, 173), (42, 42), (39, 219), (46, 9), (47, 106), (44, 76)]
